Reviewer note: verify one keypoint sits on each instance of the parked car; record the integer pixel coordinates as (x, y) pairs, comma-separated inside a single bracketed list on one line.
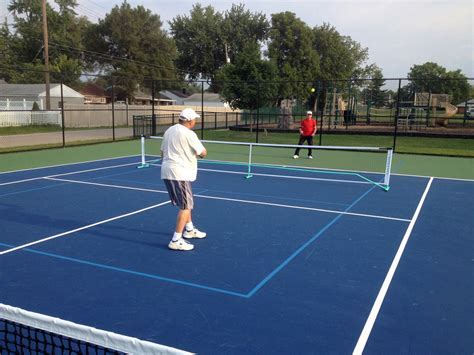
[(470, 112)]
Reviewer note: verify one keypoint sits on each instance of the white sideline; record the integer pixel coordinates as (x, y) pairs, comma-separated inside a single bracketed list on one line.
[(82, 228), (364, 336)]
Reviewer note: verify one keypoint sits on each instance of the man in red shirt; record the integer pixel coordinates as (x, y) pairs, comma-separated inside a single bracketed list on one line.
[(308, 129)]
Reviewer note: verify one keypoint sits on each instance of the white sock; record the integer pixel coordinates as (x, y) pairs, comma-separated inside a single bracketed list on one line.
[(177, 236), (189, 226)]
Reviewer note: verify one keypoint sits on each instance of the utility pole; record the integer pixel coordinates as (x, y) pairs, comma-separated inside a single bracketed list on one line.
[(46, 54)]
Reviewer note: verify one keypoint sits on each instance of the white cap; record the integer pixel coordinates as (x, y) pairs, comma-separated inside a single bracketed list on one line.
[(188, 114), (309, 113)]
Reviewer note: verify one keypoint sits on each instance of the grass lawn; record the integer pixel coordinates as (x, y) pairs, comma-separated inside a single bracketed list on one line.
[(415, 145)]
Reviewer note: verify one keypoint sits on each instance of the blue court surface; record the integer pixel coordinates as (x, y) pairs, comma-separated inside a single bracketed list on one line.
[(291, 265)]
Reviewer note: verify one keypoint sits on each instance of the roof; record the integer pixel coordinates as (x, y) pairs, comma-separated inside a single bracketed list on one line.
[(469, 103), (94, 90), (208, 96), (28, 90)]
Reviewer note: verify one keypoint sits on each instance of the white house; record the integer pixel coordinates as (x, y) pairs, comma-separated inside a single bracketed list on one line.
[(16, 94)]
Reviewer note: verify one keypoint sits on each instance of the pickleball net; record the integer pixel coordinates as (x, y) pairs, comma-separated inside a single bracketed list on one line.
[(371, 165), (24, 332)]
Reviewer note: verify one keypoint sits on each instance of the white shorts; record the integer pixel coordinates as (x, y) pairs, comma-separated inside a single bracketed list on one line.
[(180, 193)]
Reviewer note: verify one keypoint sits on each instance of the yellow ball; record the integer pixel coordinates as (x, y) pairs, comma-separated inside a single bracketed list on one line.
[(313, 89)]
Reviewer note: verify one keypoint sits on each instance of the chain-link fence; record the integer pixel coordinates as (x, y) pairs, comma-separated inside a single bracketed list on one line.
[(410, 115)]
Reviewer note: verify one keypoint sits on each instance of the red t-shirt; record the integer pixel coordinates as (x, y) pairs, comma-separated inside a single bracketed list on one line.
[(308, 126)]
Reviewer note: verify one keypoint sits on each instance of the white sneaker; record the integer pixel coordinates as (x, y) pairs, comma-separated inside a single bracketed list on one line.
[(195, 233), (180, 244), (296, 156), (310, 157)]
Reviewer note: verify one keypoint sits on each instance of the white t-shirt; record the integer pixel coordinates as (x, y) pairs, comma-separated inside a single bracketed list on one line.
[(180, 146)]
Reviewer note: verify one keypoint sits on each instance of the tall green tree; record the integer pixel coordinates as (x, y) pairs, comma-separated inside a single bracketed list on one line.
[(433, 77), (206, 39), (199, 41), (65, 32), (377, 95), (247, 83), (241, 28), (291, 49), (133, 46), (340, 57)]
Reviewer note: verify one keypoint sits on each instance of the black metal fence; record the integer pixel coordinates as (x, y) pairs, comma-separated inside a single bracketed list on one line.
[(95, 111)]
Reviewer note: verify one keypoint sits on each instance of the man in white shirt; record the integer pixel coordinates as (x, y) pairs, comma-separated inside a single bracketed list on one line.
[(179, 150)]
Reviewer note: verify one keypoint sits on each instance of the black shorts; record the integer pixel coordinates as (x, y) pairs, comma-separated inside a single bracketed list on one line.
[(180, 193)]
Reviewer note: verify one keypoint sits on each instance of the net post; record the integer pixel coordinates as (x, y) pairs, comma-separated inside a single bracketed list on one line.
[(143, 164), (249, 174), (388, 169)]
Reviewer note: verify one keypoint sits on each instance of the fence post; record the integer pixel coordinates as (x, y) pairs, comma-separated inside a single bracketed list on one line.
[(397, 112), (258, 108), (63, 121), (322, 114), (153, 117), (202, 109), (113, 113)]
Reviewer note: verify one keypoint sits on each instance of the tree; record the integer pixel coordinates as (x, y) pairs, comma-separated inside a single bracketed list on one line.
[(241, 28), (65, 32), (130, 44), (291, 49), (206, 39), (340, 57), (199, 41), (377, 95), (248, 82), (432, 77)]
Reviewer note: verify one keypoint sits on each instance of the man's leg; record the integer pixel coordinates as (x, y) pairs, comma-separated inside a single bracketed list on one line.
[(184, 216), (310, 142), (297, 151)]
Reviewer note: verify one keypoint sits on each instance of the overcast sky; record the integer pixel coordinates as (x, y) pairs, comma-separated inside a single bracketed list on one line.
[(398, 33)]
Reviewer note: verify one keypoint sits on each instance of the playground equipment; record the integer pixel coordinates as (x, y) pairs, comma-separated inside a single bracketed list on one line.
[(436, 103), (336, 110)]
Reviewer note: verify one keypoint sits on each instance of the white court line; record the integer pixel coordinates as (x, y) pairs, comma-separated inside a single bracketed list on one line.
[(303, 208), (364, 336), (65, 174), (239, 200), (82, 228), (66, 164)]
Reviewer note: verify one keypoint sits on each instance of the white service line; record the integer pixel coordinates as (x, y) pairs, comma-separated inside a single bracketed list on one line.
[(82, 228), (364, 336), (239, 200), (106, 185), (303, 208), (65, 174)]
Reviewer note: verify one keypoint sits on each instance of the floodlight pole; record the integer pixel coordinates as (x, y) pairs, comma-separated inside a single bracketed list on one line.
[(46, 54)]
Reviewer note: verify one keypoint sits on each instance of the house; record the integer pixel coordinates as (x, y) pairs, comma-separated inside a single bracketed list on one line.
[(465, 105), (30, 93), (177, 96), (94, 94), (208, 100)]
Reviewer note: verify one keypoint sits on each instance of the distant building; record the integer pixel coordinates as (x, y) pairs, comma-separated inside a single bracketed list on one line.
[(176, 96), (93, 94), (37, 93), (208, 100), (462, 106)]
